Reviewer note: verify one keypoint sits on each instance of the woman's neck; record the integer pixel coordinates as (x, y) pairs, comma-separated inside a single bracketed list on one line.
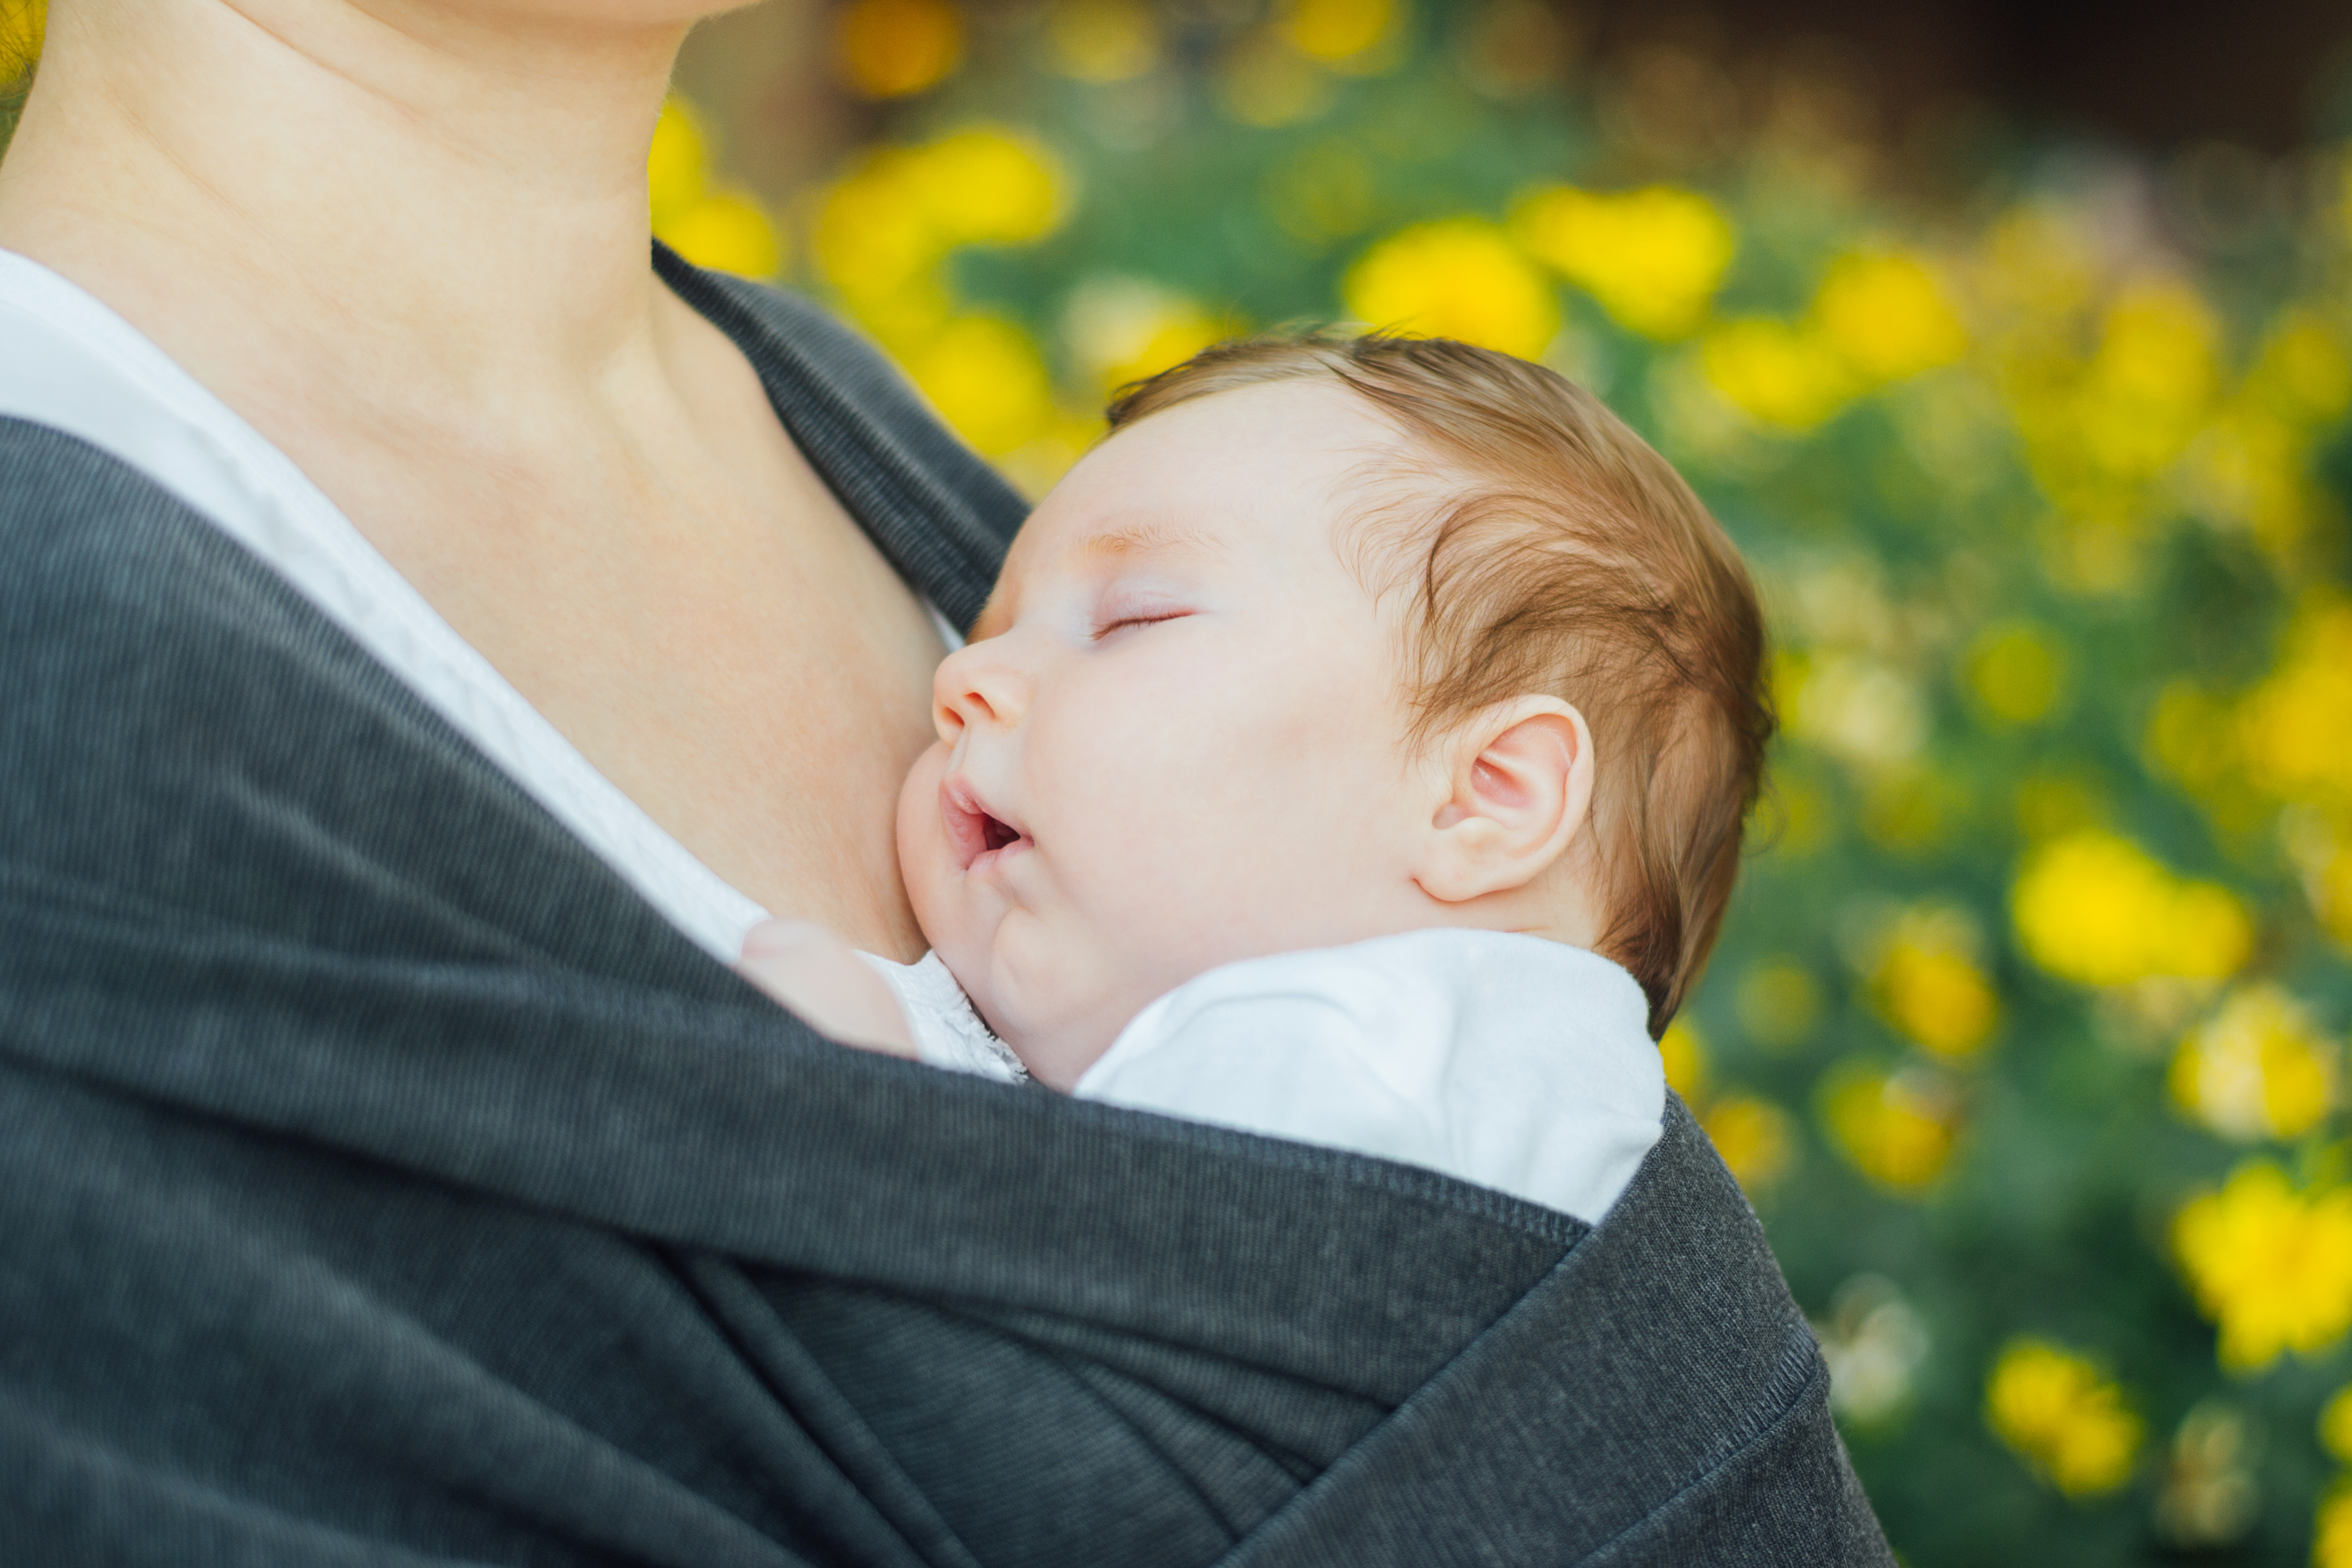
[(447, 197)]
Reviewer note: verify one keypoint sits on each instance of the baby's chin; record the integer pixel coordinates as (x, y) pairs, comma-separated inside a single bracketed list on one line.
[(1037, 1002)]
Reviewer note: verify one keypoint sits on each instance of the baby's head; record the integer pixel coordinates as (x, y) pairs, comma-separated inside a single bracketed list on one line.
[(1332, 640)]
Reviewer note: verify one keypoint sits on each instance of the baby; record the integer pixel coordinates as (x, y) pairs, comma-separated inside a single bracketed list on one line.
[(1355, 749)]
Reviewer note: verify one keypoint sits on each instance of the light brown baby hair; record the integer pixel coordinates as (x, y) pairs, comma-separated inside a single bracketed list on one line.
[(1549, 549)]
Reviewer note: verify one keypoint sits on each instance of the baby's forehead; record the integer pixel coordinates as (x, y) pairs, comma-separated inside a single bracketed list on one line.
[(1234, 474)]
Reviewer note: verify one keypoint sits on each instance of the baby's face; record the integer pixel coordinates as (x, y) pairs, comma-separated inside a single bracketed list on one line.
[(1179, 737)]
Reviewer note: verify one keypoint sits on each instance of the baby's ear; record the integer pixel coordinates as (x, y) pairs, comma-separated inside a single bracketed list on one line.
[(1518, 782)]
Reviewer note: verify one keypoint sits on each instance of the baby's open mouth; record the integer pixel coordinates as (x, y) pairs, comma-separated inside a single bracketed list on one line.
[(973, 830)]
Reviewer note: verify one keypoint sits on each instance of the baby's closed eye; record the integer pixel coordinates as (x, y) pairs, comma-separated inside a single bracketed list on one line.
[(1123, 623), (1124, 607)]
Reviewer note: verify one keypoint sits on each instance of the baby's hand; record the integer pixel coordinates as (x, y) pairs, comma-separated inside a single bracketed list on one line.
[(819, 976)]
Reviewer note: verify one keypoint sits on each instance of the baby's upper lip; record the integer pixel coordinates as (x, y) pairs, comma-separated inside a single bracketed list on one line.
[(976, 828)]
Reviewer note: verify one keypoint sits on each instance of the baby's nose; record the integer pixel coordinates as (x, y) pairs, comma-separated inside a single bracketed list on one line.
[(977, 684)]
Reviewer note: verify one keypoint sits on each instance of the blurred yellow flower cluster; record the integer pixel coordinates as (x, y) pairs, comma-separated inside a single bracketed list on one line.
[(1339, 32), (882, 235), (2331, 1536), (1652, 258), (1898, 1129), (1928, 983), (1877, 318), (22, 24), (2281, 744), (2093, 908), (2070, 1423), (2295, 728), (2331, 1546), (2120, 390), (710, 225), (1454, 278), (2270, 1264), (2251, 466), (1755, 1137), (2258, 1069), (894, 48)]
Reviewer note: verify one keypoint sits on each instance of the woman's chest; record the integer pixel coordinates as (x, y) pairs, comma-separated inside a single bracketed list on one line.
[(717, 637)]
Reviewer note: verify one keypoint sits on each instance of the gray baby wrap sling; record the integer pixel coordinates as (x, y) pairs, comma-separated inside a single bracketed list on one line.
[(382, 1182)]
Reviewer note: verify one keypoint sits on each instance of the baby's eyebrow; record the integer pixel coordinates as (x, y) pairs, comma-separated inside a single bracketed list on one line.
[(1150, 538)]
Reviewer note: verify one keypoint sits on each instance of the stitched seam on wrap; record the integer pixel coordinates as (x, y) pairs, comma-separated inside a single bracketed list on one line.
[(1757, 1431)]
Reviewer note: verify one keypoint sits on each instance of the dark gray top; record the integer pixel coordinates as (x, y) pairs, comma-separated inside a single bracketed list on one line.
[(382, 1182)]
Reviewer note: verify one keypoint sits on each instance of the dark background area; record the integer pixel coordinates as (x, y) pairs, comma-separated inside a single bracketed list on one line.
[(2165, 74)]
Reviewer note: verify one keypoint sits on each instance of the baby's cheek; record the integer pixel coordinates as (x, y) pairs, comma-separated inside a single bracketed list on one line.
[(923, 856)]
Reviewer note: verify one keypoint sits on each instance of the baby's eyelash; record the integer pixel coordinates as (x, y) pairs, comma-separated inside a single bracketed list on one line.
[(1154, 619)]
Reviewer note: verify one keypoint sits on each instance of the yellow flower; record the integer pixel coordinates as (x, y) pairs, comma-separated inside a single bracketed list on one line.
[(2250, 467), (1927, 985), (2094, 909), (2323, 852), (2071, 1424), (882, 228), (987, 380), (1783, 375), (2293, 727), (1888, 317), (2257, 1069), (675, 165), (2335, 1424), (983, 184), (22, 25), (1685, 1054), (2014, 671), (1456, 278), (894, 48), (1754, 1137), (2272, 1266), (1898, 1130), (725, 229), (2146, 391), (2331, 1533), (872, 236), (1122, 329), (1339, 31), (1652, 258), (1103, 40)]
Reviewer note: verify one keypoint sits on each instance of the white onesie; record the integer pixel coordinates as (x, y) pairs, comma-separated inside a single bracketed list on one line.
[(1510, 1061)]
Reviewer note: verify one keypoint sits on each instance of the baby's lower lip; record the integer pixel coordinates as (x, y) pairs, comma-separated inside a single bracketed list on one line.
[(994, 859), (977, 839)]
